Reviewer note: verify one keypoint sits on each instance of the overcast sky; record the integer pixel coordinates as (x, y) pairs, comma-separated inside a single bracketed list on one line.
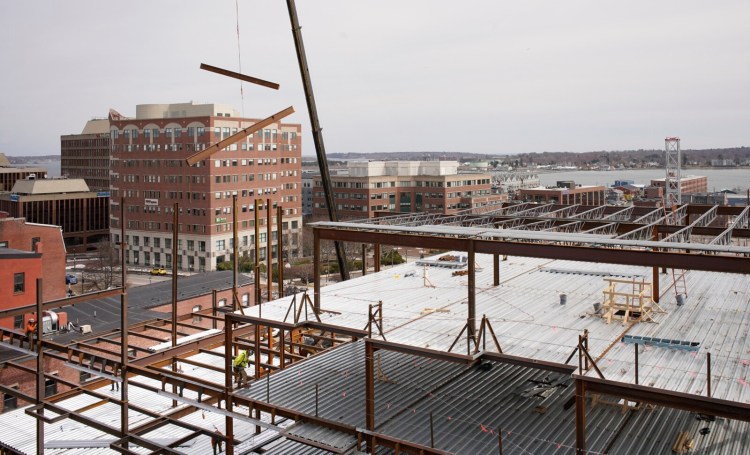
[(478, 76)]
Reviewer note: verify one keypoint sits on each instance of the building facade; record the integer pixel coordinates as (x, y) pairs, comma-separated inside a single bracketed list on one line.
[(689, 184), (375, 187), (68, 203), (86, 155), (566, 193), (29, 251), (151, 176)]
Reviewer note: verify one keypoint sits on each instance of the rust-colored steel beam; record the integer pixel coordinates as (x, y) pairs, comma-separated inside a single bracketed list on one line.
[(707, 262), (677, 400), (242, 134), (52, 304), (240, 76)]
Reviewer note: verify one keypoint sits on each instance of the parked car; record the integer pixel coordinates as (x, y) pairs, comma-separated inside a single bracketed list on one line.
[(70, 279), (158, 271)]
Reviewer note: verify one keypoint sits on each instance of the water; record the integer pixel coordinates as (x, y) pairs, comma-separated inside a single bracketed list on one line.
[(53, 167), (718, 179)]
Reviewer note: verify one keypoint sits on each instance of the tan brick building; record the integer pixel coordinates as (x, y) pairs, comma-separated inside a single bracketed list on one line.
[(149, 171), (566, 193), (372, 187)]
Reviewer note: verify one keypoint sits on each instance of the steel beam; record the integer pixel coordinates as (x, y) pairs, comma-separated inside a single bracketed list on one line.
[(679, 260), (242, 134), (734, 410), (240, 76)]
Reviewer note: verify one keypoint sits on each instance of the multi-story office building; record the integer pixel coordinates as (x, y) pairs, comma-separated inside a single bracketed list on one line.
[(68, 203), (86, 155), (150, 174), (373, 187)]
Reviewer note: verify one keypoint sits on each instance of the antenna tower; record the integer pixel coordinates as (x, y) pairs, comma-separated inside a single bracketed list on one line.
[(672, 186)]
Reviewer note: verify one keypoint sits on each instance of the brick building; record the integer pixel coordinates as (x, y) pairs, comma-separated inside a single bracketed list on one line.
[(86, 155), (37, 240), (68, 203), (566, 193), (688, 184), (149, 171), (372, 187)]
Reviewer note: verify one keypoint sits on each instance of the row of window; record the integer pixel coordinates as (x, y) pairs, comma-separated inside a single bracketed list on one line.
[(404, 184)]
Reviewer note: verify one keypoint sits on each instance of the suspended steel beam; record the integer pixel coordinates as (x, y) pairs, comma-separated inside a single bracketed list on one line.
[(240, 76), (242, 134)]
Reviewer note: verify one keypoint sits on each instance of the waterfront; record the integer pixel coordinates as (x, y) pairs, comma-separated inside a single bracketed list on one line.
[(718, 179)]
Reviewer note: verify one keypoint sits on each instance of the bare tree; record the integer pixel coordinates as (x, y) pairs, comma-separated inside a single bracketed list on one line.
[(103, 270)]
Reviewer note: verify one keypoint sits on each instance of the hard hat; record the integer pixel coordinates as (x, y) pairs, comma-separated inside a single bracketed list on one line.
[(31, 320)]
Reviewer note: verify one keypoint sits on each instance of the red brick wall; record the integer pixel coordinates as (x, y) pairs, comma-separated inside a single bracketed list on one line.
[(32, 269), (18, 234)]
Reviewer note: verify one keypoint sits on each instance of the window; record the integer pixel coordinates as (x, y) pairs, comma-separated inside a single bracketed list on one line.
[(196, 318), (3, 244), (220, 245), (222, 302), (34, 241), (19, 282), (191, 245), (201, 246), (10, 402), (50, 387), (245, 299), (18, 322)]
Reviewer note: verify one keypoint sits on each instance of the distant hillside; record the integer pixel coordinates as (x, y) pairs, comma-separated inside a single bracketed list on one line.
[(625, 157), (21, 160)]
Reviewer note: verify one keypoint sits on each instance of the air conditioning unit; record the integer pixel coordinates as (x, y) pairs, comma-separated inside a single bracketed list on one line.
[(86, 328)]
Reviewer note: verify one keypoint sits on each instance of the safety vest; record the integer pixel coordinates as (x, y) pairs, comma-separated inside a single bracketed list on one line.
[(241, 359)]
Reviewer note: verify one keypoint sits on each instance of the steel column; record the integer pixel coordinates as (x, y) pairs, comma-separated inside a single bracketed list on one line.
[(376, 257), (280, 249), (316, 271), (580, 418), (364, 259), (39, 365), (269, 249), (235, 251), (369, 391), (472, 293), (258, 299), (124, 421), (496, 268), (228, 339)]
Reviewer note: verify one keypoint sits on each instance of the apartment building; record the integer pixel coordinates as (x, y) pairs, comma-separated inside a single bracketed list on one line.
[(150, 175), (86, 155), (375, 187)]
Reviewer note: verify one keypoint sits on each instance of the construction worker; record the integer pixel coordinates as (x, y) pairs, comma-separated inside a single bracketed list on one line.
[(31, 332), (239, 365), (216, 441)]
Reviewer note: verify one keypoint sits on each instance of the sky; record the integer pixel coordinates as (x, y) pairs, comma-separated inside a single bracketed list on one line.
[(405, 75)]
